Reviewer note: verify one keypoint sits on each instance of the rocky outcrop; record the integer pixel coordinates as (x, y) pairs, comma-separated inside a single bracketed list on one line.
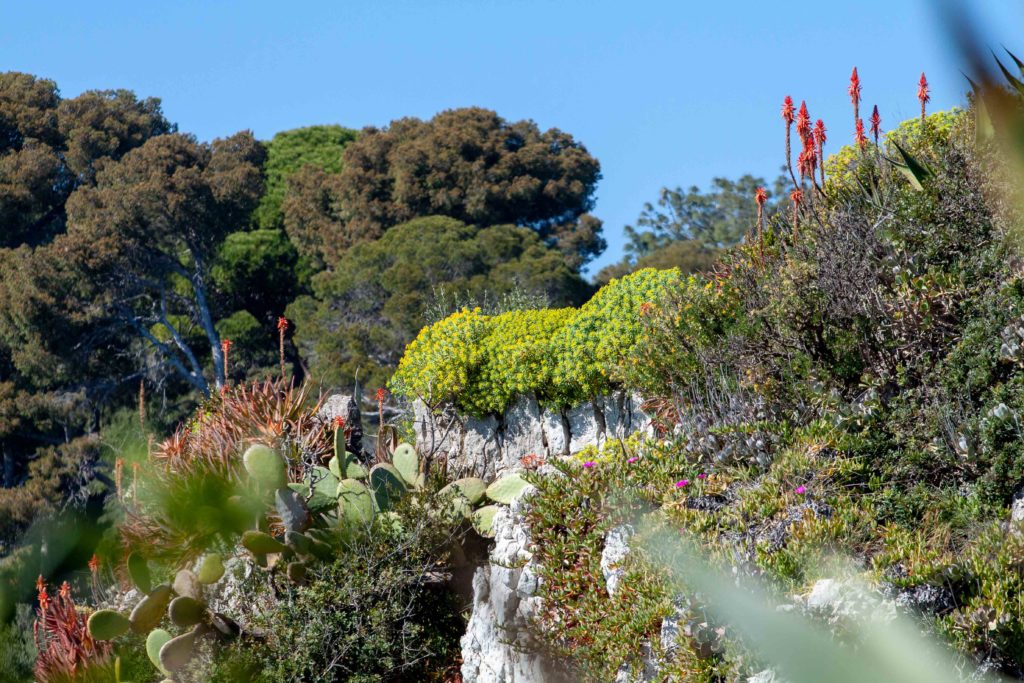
[(489, 446), (497, 646)]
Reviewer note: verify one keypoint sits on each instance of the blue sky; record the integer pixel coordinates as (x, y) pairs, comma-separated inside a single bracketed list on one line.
[(663, 93)]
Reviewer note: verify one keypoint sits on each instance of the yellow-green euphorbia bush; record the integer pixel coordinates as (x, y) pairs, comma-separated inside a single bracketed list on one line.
[(561, 356)]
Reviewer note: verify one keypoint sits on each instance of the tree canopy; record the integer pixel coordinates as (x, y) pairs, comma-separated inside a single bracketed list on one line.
[(686, 229), (49, 147), (469, 164), (375, 301), (319, 148)]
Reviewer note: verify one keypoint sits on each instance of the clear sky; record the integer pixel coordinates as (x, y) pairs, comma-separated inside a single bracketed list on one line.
[(664, 93)]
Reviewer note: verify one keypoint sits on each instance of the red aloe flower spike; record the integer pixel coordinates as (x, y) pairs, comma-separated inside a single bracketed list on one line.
[(787, 116), (225, 346), (855, 93), (339, 422), (876, 124), (797, 197), (922, 94), (760, 197), (94, 563), (282, 327), (859, 136), (819, 140), (787, 110), (803, 121)]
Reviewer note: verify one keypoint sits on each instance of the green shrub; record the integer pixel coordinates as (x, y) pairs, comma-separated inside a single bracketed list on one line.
[(370, 615), (563, 356)]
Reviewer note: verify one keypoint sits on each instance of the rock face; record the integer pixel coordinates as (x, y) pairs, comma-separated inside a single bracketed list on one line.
[(347, 408), (487, 447), (497, 647)]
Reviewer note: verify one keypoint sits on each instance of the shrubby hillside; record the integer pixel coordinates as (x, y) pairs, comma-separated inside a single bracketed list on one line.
[(832, 373)]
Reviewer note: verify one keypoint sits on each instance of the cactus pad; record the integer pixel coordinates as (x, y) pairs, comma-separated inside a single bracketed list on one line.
[(292, 510), (150, 610), (154, 641), (483, 520), (355, 502), (106, 624), (138, 570), (177, 652), (387, 485), (506, 489), (266, 466), (211, 569), (471, 488), (407, 462), (260, 543), (185, 611)]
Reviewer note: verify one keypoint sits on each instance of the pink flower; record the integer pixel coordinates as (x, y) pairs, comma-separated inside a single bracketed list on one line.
[(632, 460), (702, 475), (588, 464), (801, 490), (682, 482)]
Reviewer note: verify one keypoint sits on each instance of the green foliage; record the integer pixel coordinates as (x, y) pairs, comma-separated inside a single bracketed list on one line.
[(368, 615), (288, 152), (591, 349), (468, 164), (377, 298), (482, 363)]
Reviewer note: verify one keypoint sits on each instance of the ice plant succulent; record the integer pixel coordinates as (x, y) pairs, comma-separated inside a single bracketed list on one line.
[(800, 490), (588, 464), (682, 483), (922, 94)]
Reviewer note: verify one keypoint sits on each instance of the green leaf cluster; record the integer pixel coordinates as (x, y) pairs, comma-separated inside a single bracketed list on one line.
[(560, 356)]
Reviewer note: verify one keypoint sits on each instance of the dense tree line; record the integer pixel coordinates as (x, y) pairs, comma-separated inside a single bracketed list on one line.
[(137, 261)]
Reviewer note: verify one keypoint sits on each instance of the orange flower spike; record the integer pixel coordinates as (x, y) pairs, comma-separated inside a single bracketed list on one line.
[(797, 197), (819, 140), (854, 91), (282, 324), (94, 564), (40, 584), (65, 590), (787, 116), (876, 124), (803, 121), (226, 345), (858, 135), (819, 133), (922, 94), (760, 198), (787, 110)]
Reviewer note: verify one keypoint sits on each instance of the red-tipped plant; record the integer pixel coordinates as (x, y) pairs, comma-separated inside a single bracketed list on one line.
[(797, 197), (819, 141), (876, 124), (803, 122), (922, 95), (760, 198), (855, 93), (787, 116), (66, 650), (225, 347), (282, 327), (858, 134)]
